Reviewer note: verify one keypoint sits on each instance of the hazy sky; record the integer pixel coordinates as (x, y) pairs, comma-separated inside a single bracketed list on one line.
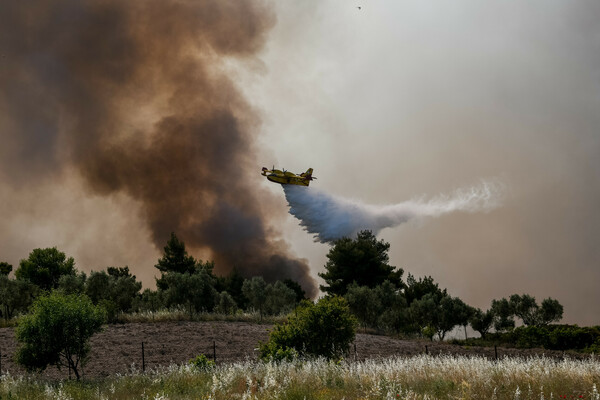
[(398, 100)]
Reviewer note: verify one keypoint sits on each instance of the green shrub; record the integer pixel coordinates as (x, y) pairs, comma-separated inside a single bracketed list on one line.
[(551, 337), (325, 329), (57, 332), (202, 363)]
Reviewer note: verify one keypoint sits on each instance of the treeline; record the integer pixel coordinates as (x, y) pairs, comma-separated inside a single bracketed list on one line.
[(184, 282), (358, 270)]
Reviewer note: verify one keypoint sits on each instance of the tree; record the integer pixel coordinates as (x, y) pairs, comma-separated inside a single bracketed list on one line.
[(124, 289), (195, 291), (452, 312), (72, 284), (363, 260), (524, 307), (149, 300), (325, 329), (364, 303), (57, 332), (482, 321), (233, 284), (417, 289), (174, 259), (115, 290), (503, 315), (425, 314), (394, 310), (550, 311), (44, 267), (5, 268), (255, 291), (15, 296), (280, 298), (225, 304), (295, 286), (98, 286), (119, 272)]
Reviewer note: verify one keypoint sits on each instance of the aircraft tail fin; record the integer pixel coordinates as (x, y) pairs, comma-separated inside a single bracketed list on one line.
[(308, 174)]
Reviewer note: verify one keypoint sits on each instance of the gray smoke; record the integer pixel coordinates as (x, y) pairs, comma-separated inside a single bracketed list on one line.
[(330, 217)]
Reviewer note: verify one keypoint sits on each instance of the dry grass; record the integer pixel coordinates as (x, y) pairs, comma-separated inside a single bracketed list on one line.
[(420, 377)]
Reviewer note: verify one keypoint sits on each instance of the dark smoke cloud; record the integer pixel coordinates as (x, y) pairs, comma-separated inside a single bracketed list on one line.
[(134, 96)]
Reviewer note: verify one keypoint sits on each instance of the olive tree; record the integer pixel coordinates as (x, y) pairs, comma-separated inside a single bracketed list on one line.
[(57, 332)]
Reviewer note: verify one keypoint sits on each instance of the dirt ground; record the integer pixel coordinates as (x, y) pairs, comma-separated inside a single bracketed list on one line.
[(118, 349)]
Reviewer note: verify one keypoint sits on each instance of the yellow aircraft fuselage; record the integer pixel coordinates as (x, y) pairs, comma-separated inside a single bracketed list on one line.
[(288, 178)]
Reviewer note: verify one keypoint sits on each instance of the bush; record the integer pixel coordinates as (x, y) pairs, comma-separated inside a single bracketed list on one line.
[(57, 332), (202, 363), (325, 329), (551, 337)]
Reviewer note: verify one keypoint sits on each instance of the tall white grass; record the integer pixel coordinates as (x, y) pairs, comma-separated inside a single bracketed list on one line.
[(420, 377)]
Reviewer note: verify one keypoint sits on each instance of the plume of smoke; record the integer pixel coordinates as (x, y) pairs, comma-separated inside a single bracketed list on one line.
[(133, 95), (330, 217)]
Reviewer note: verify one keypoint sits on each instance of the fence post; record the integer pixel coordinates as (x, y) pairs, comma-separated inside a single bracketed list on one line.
[(143, 359), (215, 351), (355, 355), (496, 352), (426, 350)]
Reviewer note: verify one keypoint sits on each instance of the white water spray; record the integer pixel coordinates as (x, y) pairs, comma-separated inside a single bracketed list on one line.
[(330, 217)]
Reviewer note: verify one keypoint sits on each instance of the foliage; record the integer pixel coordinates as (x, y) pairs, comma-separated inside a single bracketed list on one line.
[(233, 284), (97, 286), (363, 260), (115, 291), (524, 307), (119, 272), (482, 321), (225, 304), (176, 258), (393, 315), (57, 332), (202, 363), (15, 296), (550, 311), (44, 267), (295, 286), (324, 329), (268, 299), (417, 289), (72, 283), (503, 315), (452, 312), (195, 291), (255, 291), (280, 298), (551, 337), (149, 301), (364, 303), (5, 268)]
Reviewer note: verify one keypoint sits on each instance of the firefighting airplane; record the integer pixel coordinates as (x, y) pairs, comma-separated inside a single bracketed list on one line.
[(288, 178)]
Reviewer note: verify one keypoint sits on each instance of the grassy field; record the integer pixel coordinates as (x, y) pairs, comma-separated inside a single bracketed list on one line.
[(420, 377)]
